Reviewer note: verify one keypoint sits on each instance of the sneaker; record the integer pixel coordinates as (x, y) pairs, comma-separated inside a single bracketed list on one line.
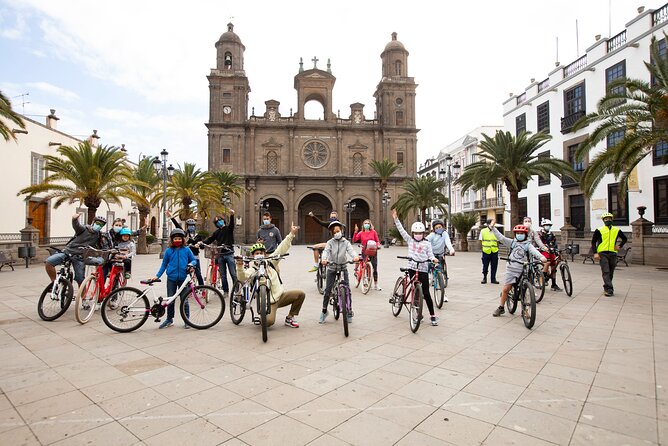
[(186, 326), (499, 311), (291, 322), (484, 280), (555, 287), (323, 316), (377, 288), (226, 294), (495, 281), (434, 321), (313, 269), (608, 293), (445, 298), (166, 323)]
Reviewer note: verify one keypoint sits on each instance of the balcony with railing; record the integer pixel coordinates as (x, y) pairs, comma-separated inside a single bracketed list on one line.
[(576, 66), (488, 203), (567, 122), (543, 85), (660, 15), (521, 98), (617, 41)]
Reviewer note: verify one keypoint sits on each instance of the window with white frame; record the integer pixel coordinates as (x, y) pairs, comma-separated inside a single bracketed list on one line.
[(37, 170)]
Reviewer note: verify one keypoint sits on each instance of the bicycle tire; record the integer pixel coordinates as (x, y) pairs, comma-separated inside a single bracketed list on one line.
[(336, 310), (60, 303), (238, 307), (209, 274), (343, 300), (116, 305), (566, 278), (320, 279), (439, 289), (262, 296), (415, 314), (398, 295), (511, 301), (367, 277), (207, 312), (358, 273), (445, 275), (539, 283), (87, 296), (528, 304)]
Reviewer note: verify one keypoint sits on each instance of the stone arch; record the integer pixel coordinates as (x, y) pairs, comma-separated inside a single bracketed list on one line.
[(320, 204)]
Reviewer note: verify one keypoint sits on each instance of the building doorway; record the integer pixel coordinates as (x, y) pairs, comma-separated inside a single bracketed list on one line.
[(311, 231), (277, 211), (37, 211), (576, 205)]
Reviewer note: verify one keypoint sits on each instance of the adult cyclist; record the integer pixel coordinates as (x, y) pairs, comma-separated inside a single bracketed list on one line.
[(550, 241)]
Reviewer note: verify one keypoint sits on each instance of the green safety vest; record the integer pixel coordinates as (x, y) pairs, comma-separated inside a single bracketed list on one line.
[(608, 239), (489, 242)]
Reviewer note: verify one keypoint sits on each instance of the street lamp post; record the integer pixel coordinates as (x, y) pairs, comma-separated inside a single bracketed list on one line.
[(349, 206), (451, 174), (261, 206), (386, 202), (160, 166)]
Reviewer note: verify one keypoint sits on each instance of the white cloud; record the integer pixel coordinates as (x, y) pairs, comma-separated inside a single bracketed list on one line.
[(54, 90), (15, 30)]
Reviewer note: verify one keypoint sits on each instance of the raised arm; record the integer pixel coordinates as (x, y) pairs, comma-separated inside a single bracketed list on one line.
[(401, 229), (500, 237)]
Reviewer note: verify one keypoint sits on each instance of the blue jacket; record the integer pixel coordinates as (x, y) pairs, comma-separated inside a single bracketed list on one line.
[(176, 261)]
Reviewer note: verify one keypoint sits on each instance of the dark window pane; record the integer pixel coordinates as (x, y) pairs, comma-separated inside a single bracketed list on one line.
[(542, 181), (226, 156), (618, 205), (520, 124), (617, 71), (543, 117), (544, 207), (661, 200), (521, 210), (660, 153)]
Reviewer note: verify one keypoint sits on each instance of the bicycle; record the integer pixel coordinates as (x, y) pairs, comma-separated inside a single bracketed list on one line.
[(212, 277), (126, 309), (523, 291), (408, 293), (438, 279), (561, 262), (57, 296), (341, 300), (536, 278), (94, 288), (364, 271), (258, 289), (321, 273)]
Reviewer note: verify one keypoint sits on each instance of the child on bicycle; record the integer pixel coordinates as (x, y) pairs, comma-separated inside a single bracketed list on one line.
[(419, 249), (337, 250), (366, 235), (127, 250), (176, 261), (519, 250), (550, 241), (440, 241)]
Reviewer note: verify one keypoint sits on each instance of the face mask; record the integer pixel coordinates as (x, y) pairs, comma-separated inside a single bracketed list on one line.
[(117, 228), (338, 235), (367, 226), (547, 228), (258, 256), (418, 237), (520, 237), (266, 222), (177, 243), (333, 218), (191, 229), (439, 231), (608, 223), (220, 223), (97, 227), (527, 224)]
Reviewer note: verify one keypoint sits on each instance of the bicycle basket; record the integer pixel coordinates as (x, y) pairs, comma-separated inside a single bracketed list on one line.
[(371, 248), (95, 257)]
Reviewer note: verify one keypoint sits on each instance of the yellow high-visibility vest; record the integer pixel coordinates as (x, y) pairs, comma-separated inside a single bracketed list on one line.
[(489, 242), (608, 239)]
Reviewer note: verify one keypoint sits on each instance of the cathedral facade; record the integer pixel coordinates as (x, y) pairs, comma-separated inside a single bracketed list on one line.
[(290, 165)]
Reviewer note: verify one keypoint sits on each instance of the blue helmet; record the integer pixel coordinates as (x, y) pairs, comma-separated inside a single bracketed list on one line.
[(125, 231)]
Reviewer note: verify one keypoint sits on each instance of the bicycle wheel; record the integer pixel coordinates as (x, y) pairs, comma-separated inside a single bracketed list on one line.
[(358, 274), (567, 279), (237, 303), (125, 309), (511, 301), (439, 289), (320, 279), (53, 305), (84, 304), (445, 275), (209, 275), (528, 298), (415, 316), (398, 294), (206, 307), (342, 294), (367, 277), (539, 283), (335, 303), (262, 297)]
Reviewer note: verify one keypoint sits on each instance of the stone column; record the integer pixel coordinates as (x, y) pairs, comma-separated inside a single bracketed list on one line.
[(30, 238), (640, 228), (568, 235)]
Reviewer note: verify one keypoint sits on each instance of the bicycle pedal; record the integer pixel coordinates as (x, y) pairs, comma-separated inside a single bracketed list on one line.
[(256, 320)]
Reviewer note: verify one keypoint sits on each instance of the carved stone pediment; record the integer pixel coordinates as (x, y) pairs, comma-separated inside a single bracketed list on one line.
[(358, 146), (272, 144)]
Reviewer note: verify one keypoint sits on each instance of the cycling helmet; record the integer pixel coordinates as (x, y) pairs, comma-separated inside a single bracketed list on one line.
[(125, 231), (191, 221), (100, 219), (607, 215), (335, 223), (257, 247), (546, 221), (437, 221), (520, 228), (177, 233), (418, 226)]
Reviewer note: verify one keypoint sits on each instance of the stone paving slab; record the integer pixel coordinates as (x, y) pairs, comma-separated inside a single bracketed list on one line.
[(592, 371)]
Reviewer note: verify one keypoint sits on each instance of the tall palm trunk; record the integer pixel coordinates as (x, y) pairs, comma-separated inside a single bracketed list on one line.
[(514, 209), (142, 246)]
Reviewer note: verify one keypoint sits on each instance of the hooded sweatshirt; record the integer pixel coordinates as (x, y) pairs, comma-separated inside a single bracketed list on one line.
[(271, 236)]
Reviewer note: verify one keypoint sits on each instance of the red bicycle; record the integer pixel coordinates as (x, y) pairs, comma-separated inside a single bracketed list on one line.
[(408, 292), (364, 271), (94, 288), (212, 277)]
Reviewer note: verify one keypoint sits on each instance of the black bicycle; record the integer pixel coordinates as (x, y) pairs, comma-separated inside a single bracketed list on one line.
[(536, 278), (523, 291), (321, 273), (341, 300), (57, 296)]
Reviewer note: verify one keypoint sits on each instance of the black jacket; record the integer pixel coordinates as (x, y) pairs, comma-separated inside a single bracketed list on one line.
[(224, 237)]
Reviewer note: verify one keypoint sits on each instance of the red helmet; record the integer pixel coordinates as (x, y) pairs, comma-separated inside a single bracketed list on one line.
[(520, 228)]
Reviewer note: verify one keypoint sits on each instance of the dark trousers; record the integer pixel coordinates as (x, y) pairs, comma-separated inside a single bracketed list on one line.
[(423, 276), (608, 263), (492, 258), (172, 286), (226, 262), (329, 283), (198, 272)]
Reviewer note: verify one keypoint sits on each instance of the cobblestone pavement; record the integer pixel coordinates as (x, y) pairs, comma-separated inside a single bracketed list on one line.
[(593, 370)]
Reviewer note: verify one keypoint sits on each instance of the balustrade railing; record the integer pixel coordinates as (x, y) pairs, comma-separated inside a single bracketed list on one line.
[(660, 15), (576, 66), (10, 237), (488, 203), (543, 85), (617, 41), (567, 122)]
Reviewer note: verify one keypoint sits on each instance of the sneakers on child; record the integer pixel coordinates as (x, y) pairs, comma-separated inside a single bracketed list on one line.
[(499, 311), (186, 326), (555, 287), (445, 298), (166, 323), (323, 316), (291, 322), (377, 287), (434, 321), (314, 268)]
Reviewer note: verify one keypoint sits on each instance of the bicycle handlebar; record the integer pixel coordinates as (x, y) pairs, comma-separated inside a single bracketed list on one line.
[(253, 259), (150, 281), (413, 260)]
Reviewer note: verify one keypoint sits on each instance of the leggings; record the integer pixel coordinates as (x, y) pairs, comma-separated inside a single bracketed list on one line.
[(423, 276)]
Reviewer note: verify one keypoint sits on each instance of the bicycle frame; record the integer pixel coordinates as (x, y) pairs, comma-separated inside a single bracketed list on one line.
[(159, 303)]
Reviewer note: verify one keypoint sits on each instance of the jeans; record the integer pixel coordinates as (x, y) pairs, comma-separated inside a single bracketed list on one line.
[(492, 258), (172, 286), (198, 272), (608, 263), (77, 265), (226, 262), (331, 275)]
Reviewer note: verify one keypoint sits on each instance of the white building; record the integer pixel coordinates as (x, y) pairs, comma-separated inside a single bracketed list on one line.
[(24, 162), (569, 92)]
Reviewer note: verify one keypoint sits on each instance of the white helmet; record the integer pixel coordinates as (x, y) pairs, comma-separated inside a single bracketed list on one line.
[(546, 221), (417, 227)]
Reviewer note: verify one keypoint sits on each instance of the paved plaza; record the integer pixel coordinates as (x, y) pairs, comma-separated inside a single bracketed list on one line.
[(593, 371)]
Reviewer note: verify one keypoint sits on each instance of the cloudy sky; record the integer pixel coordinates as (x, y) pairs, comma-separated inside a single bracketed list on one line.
[(136, 70)]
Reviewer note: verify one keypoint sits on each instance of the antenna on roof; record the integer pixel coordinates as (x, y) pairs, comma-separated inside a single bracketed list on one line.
[(23, 101), (577, 39)]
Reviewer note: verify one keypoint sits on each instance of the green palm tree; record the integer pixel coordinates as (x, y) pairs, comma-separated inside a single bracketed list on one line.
[(145, 193), (634, 108), (7, 113), (384, 170), (224, 184), (463, 222), (513, 161), (190, 188), (421, 193), (87, 174)]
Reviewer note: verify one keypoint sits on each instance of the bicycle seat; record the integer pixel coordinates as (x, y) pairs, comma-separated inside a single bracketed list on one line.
[(149, 281), (403, 270)]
